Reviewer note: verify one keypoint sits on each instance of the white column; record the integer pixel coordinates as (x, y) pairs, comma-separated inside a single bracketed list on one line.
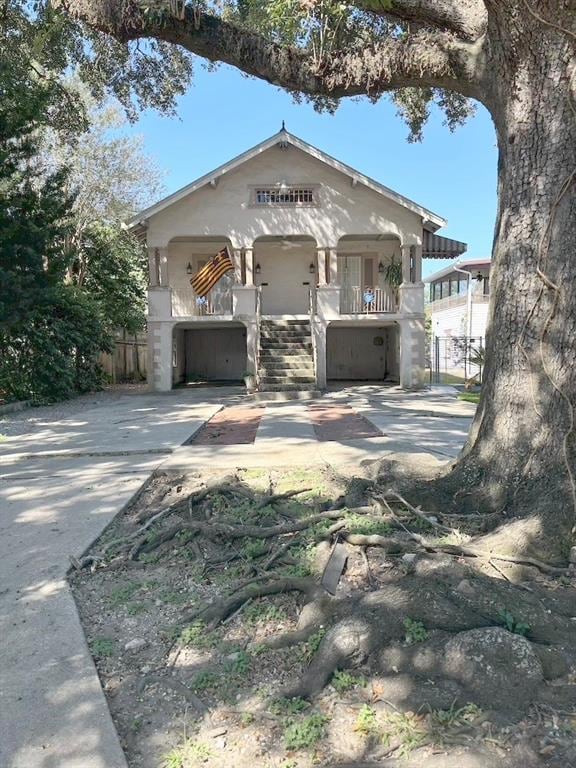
[(319, 334), (249, 257), (333, 265), (417, 256), (163, 266), (406, 264), (153, 264), (321, 258), (237, 260), (412, 353)]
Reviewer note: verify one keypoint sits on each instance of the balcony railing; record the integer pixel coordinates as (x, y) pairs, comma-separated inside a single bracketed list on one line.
[(355, 300), (185, 303)]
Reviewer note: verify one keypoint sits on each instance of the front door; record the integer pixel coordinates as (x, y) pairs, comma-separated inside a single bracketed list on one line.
[(286, 283)]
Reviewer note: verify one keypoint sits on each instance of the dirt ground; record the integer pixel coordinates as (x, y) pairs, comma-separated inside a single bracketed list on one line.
[(189, 685)]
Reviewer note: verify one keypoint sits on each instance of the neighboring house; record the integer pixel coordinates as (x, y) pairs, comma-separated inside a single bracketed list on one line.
[(458, 299), (319, 251)]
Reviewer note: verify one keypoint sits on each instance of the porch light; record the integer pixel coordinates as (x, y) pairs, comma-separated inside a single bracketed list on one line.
[(283, 185), (257, 269), (479, 277), (381, 268), (312, 268), (189, 269)]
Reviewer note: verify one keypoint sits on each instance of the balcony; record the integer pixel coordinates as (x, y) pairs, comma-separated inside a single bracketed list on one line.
[(355, 300), (185, 303)]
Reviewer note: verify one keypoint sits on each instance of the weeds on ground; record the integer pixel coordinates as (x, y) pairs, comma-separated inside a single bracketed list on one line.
[(343, 681), (305, 733), (289, 706), (367, 526), (415, 631), (407, 728), (313, 644), (197, 636), (189, 753), (122, 595), (259, 611), (510, 623), (102, 647), (366, 722)]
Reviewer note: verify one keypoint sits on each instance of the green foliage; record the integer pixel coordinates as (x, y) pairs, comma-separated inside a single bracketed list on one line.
[(455, 716), (512, 624), (197, 636), (102, 647), (206, 681), (367, 525), (121, 595), (289, 706), (261, 612), (239, 665), (254, 548), (343, 681), (407, 728), (135, 609), (415, 631), (313, 644), (366, 722), (190, 752), (305, 733), (470, 397)]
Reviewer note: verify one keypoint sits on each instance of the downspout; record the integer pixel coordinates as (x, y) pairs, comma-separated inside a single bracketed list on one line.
[(469, 303)]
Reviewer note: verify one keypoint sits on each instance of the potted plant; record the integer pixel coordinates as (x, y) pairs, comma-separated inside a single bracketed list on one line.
[(249, 381)]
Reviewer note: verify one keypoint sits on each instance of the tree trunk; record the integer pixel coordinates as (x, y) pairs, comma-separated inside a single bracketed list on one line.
[(520, 453)]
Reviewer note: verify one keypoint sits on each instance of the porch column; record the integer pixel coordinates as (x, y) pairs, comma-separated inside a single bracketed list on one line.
[(237, 261), (406, 263), (153, 267), (412, 353), (333, 265), (417, 263), (321, 258), (162, 266), (249, 258)]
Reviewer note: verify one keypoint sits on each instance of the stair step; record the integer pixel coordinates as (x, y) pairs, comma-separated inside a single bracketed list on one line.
[(287, 387), (287, 378), (289, 394), (297, 367), (288, 335), (285, 323), (273, 344)]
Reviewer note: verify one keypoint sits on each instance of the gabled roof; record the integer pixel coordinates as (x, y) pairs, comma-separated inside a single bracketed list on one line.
[(431, 221)]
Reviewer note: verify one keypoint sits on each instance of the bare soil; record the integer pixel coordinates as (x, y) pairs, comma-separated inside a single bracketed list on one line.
[(217, 645)]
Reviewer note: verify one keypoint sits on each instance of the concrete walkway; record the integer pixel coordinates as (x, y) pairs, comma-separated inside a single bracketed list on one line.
[(64, 478)]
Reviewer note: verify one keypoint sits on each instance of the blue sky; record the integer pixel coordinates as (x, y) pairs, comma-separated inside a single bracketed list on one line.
[(225, 113)]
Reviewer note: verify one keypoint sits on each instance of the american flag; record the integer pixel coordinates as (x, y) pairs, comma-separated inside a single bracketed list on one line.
[(207, 277)]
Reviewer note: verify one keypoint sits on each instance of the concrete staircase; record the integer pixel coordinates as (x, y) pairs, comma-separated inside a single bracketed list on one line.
[(286, 359)]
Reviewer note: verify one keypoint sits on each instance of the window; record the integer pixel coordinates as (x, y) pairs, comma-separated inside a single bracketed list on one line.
[(284, 195)]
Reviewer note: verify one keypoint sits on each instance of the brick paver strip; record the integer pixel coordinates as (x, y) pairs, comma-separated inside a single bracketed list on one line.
[(340, 422), (230, 426)]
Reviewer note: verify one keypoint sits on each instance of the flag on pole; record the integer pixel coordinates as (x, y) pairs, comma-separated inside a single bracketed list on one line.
[(207, 277)]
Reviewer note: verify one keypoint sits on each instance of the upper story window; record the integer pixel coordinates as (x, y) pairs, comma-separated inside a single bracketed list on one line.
[(284, 195)]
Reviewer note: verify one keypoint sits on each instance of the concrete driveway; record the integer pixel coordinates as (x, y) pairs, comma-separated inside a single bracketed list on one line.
[(66, 471)]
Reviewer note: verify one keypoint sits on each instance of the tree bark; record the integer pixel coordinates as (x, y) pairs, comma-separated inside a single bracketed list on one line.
[(520, 453)]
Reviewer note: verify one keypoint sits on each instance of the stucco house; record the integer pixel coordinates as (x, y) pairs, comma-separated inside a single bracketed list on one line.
[(327, 280), (458, 297)]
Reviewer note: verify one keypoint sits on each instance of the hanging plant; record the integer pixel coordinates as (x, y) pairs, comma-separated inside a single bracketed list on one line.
[(393, 273)]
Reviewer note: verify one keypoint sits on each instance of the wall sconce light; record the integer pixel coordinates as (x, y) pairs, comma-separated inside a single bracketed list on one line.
[(381, 268), (258, 269), (189, 269), (312, 268), (479, 277)]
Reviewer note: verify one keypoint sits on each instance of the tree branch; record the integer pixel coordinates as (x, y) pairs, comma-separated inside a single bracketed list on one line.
[(465, 18), (425, 58)]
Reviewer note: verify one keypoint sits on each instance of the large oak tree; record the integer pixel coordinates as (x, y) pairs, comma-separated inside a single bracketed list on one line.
[(517, 57)]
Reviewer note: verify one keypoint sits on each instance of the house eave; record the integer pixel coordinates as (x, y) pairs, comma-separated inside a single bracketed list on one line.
[(430, 221)]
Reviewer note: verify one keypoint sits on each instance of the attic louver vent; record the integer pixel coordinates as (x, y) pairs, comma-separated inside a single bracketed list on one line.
[(284, 196)]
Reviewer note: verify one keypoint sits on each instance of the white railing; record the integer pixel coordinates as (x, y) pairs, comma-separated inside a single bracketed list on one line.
[(185, 303), (356, 300)]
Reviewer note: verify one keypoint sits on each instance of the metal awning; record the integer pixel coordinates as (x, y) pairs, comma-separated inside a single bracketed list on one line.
[(437, 247)]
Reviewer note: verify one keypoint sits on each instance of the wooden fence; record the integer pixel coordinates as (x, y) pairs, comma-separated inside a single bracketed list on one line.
[(128, 360)]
